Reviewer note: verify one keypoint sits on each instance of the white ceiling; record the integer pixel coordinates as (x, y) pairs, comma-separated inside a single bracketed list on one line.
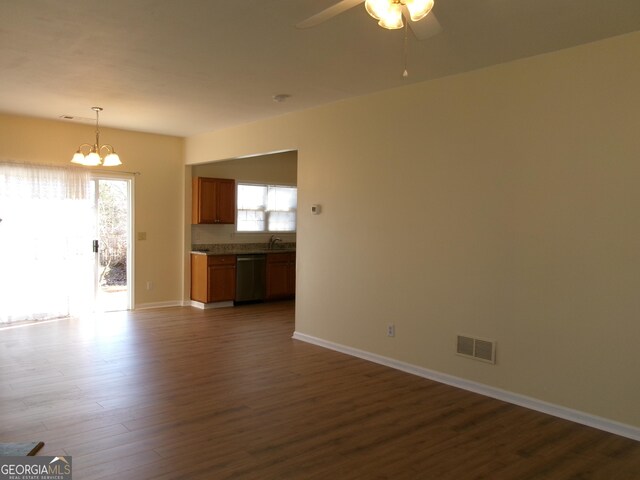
[(183, 67)]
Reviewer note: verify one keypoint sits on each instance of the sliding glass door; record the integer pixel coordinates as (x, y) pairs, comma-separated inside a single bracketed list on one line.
[(65, 242), (45, 269)]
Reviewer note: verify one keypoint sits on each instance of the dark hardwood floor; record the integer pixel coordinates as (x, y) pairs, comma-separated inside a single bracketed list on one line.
[(227, 394)]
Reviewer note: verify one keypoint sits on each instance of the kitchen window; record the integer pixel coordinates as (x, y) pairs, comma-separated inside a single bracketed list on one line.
[(266, 208)]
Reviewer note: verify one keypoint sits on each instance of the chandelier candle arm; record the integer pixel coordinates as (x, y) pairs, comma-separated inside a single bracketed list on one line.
[(94, 157)]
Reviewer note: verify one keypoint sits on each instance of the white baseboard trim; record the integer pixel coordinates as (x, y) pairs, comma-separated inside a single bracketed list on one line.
[(207, 306), (504, 395), (146, 306)]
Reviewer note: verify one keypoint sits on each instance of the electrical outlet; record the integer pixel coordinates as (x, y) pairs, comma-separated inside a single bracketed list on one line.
[(149, 285), (391, 330)]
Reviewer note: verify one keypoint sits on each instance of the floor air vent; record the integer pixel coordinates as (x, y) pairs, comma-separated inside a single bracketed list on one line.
[(483, 350)]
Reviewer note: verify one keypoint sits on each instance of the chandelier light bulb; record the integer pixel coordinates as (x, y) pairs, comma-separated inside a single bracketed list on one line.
[(92, 160), (78, 158), (112, 160)]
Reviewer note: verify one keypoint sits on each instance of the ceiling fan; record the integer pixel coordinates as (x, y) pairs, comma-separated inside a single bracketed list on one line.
[(389, 14)]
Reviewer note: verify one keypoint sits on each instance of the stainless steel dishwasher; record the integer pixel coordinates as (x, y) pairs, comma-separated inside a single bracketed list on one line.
[(251, 274)]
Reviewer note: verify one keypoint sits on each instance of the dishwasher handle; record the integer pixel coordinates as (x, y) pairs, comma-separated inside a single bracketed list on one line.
[(251, 258)]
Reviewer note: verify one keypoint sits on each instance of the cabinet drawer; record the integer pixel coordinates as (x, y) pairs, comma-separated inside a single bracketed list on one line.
[(284, 257), (221, 260)]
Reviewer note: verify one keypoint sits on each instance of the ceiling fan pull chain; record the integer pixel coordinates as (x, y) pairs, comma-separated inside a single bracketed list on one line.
[(405, 52)]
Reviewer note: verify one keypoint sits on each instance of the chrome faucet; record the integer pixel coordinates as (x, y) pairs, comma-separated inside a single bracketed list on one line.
[(273, 240)]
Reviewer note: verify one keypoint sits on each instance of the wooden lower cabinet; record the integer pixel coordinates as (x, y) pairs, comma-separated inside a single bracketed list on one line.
[(213, 278), (281, 275)]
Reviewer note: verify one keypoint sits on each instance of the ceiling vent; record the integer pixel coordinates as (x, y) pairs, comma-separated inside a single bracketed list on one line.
[(476, 348), (73, 118)]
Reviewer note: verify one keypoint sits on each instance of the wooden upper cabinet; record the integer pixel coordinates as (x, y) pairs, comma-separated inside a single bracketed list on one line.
[(214, 200), (226, 199)]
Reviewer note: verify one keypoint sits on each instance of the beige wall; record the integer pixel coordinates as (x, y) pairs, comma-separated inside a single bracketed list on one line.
[(275, 169), (501, 203), (275, 135), (159, 195)]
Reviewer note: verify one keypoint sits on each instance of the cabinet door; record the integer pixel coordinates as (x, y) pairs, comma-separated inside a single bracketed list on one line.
[(277, 280), (199, 286), (204, 200), (291, 277), (281, 275), (226, 201), (222, 283)]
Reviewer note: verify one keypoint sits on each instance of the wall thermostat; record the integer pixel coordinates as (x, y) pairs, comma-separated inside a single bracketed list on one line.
[(316, 209)]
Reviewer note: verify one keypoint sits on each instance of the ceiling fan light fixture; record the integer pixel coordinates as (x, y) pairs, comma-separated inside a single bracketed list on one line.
[(392, 19), (377, 8), (418, 9)]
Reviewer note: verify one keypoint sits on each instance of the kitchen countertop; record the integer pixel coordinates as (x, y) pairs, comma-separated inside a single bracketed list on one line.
[(241, 248), (243, 252)]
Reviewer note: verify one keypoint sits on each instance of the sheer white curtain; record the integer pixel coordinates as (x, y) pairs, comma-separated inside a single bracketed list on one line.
[(45, 241)]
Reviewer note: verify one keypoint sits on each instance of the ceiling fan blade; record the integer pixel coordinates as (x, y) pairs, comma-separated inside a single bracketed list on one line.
[(328, 13), (425, 28)]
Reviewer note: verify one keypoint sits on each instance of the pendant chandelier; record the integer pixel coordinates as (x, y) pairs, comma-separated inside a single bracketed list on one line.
[(389, 12), (93, 156)]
